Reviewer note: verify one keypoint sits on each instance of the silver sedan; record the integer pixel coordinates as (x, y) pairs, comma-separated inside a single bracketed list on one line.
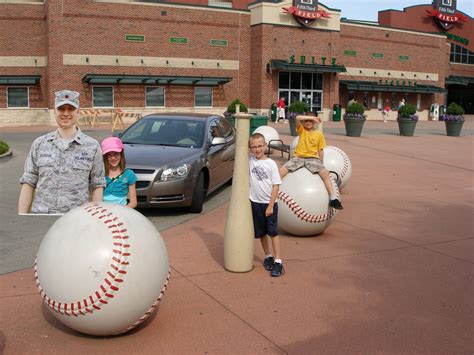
[(179, 158)]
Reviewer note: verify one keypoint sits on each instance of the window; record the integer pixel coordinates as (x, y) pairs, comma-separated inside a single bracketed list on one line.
[(301, 86), (102, 96), (220, 3), (17, 97), (460, 54), (203, 97), (154, 96)]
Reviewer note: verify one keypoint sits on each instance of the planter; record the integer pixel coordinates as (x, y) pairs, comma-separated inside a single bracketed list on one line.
[(292, 122), (406, 127), (453, 128), (353, 126)]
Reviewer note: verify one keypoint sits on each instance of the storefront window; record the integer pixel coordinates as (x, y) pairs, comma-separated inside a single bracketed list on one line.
[(306, 81), (317, 81), (17, 97), (295, 80), (298, 86), (203, 97), (154, 96), (284, 80), (102, 96)]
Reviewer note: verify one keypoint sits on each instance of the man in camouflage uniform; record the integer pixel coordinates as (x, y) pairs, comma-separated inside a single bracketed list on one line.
[(63, 167)]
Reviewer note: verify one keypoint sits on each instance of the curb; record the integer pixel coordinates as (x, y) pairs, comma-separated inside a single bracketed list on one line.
[(6, 154)]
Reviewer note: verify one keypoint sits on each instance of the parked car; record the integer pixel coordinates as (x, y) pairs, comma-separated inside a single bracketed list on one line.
[(179, 158)]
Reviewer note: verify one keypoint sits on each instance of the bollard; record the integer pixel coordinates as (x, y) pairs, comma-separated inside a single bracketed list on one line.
[(239, 234)]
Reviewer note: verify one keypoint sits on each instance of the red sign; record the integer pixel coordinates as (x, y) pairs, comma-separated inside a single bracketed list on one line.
[(446, 18), (306, 11), (310, 15)]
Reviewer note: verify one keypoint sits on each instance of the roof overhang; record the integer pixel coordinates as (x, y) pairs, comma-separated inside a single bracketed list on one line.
[(374, 86), (154, 80), (459, 80), (312, 68), (19, 79)]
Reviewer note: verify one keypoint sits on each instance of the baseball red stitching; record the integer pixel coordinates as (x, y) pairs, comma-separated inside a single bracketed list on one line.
[(301, 214), (345, 160), (152, 308), (114, 276)]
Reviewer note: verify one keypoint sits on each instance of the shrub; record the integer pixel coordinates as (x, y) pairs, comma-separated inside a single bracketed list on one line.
[(407, 111), (355, 111), (3, 147), (231, 107), (455, 109), (355, 108), (298, 107)]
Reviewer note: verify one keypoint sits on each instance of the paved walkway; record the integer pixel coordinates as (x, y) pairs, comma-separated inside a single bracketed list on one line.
[(393, 274)]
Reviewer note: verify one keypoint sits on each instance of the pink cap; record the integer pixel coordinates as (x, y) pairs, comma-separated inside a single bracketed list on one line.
[(111, 144)]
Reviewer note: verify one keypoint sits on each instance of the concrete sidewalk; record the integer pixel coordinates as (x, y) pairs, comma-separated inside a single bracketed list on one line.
[(393, 274)]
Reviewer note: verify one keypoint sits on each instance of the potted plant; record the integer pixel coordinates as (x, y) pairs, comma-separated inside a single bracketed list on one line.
[(229, 114), (453, 119), (407, 119), (354, 119), (296, 108)]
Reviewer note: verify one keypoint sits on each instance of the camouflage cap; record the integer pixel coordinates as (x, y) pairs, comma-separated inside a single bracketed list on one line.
[(66, 97)]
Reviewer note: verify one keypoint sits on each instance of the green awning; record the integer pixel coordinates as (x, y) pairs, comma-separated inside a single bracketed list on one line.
[(311, 68), (19, 79), (154, 80), (355, 85), (459, 80)]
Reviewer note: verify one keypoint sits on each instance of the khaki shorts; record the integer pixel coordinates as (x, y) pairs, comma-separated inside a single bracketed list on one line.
[(314, 165)]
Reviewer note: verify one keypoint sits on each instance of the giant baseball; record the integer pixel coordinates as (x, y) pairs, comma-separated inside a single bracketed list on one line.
[(335, 159), (269, 133), (102, 269), (303, 203)]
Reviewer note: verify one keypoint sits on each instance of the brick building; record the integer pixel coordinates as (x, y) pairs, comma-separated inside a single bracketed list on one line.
[(199, 55)]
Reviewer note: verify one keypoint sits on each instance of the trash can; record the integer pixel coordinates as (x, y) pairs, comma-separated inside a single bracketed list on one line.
[(273, 112), (257, 121), (336, 112)]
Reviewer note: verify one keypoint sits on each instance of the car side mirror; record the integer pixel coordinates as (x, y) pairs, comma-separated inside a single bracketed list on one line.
[(218, 141), (117, 134)]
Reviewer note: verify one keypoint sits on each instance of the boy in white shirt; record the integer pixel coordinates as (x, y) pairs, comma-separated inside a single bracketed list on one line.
[(264, 185)]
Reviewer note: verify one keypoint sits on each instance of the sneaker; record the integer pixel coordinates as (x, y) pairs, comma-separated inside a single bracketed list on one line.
[(278, 270), (335, 204), (268, 263)]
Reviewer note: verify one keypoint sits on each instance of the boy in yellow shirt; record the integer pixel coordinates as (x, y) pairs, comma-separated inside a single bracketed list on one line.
[(309, 153)]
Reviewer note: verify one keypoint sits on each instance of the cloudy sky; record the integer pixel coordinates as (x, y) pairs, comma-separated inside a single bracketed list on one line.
[(368, 9)]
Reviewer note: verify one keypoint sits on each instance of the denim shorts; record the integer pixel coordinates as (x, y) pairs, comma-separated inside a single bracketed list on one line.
[(262, 224)]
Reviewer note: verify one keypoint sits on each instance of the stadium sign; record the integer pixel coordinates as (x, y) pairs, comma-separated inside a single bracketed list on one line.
[(306, 11), (444, 11)]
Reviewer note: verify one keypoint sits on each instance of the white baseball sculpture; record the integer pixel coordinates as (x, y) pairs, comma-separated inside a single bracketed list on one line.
[(102, 269), (269, 133), (335, 159), (303, 203), (293, 145)]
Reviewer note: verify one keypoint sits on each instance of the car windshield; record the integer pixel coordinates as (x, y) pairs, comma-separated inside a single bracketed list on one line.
[(169, 131)]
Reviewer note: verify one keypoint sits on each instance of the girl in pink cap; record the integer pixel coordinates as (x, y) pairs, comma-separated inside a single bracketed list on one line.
[(120, 181)]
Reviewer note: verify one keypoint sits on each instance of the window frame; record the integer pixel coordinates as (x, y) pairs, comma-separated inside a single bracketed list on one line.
[(113, 97), (212, 96), (155, 87), (27, 97)]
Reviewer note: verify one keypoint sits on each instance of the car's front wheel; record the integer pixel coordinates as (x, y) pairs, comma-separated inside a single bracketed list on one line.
[(198, 195)]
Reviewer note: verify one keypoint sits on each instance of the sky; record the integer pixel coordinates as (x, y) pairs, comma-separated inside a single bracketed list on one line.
[(367, 10)]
